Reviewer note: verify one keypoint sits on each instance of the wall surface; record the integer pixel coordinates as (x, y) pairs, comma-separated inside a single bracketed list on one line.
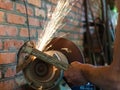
[(14, 32)]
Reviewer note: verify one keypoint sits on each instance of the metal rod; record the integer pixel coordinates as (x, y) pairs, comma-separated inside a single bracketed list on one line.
[(44, 57)]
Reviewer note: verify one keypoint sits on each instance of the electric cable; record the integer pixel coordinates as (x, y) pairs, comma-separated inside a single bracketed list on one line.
[(27, 17), (28, 26)]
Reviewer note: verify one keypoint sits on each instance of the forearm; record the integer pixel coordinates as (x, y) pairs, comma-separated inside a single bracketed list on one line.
[(104, 77), (97, 75), (107, 76)]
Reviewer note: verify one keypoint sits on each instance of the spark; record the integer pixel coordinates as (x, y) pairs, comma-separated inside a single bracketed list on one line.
[(62, 9)]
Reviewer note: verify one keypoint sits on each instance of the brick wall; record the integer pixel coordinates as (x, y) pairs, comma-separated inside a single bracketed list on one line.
[(14, 32)]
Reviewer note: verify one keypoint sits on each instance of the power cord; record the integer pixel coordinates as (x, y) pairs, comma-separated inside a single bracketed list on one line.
[(27, 17)]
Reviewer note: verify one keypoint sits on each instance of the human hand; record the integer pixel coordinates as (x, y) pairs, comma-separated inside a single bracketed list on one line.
[(74, 74)]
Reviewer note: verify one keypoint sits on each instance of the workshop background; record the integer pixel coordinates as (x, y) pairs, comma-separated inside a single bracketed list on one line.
[(15, 30)]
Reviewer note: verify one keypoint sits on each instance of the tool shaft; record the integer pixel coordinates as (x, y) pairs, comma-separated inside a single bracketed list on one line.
[(46, 58)]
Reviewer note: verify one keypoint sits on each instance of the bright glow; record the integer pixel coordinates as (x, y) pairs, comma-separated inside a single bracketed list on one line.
[(62, 9)]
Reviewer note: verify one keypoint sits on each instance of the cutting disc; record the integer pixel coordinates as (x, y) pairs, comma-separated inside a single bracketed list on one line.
[(67, 47)]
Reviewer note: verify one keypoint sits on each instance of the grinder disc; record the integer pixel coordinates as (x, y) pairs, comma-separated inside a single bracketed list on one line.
[(68, 48)]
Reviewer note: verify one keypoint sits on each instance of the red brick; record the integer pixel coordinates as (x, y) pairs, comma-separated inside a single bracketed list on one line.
[(9, 44), (76, 29), (34, 22), (67, 27), (21, 8), (74, 9), (65, 20), (6, 58), (24, 32), (18, 43), (6, 4), (80, 1), (39, 31), (35, 2), (1, 16), (76, 35), (50, 10), (3, 30), (81, 36), (12, 31), (8, 30), (39, 12), (74, 21), (1, 44), (16, 19), (0, 74), (32, 33), (8, 85), (11, 71), (12, 44), (43, 22), (78, 4)]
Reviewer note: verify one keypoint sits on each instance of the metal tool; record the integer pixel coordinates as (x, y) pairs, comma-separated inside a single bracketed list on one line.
[(44, 69), (45, 57)]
